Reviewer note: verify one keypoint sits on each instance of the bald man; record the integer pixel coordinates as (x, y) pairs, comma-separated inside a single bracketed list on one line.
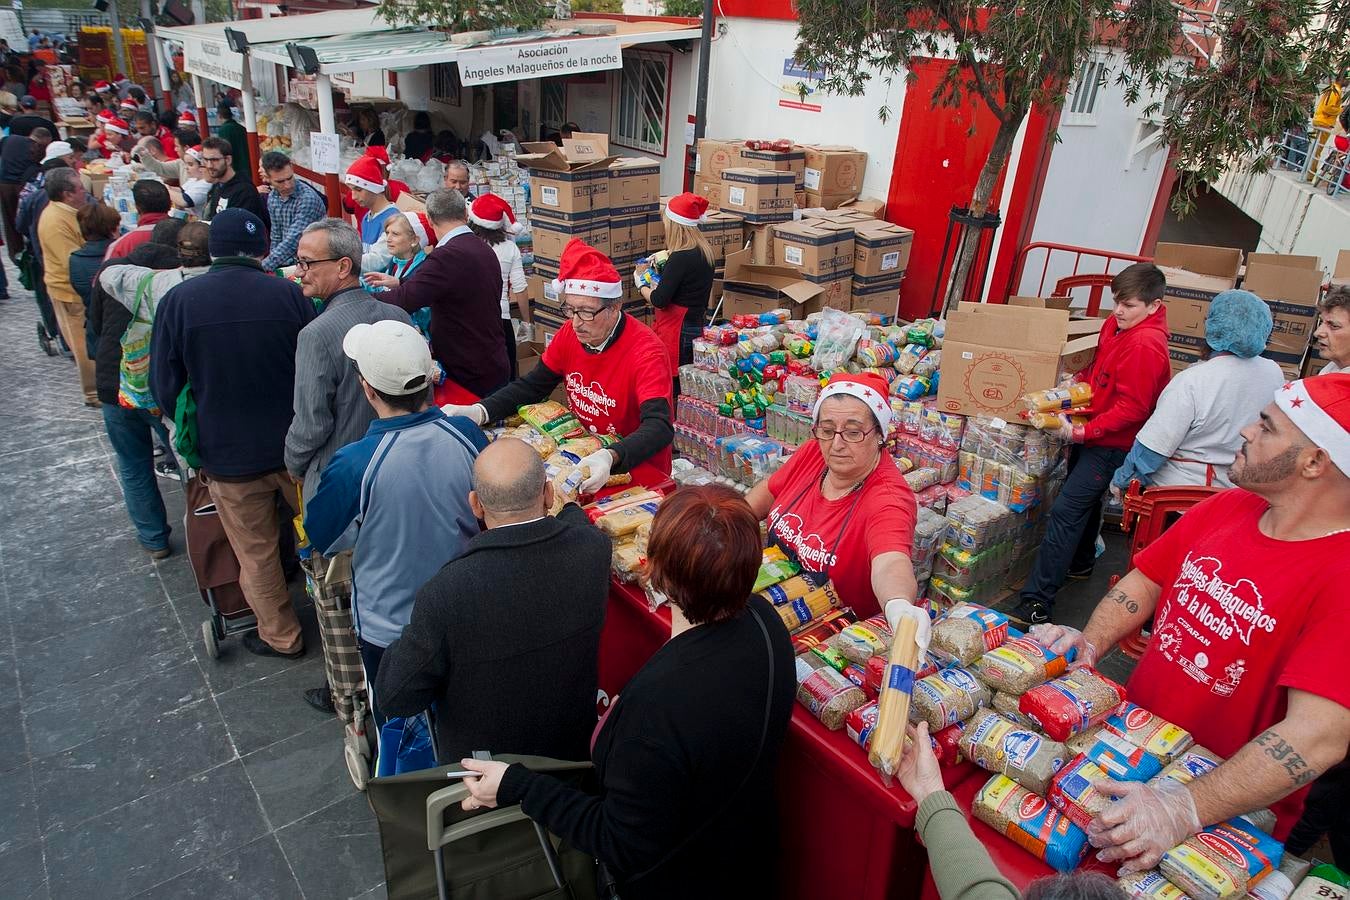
[(508, 656)]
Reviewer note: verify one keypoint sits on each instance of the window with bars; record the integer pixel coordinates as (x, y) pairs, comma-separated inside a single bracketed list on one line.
[(553, 102), (642, 97), (1080, 107), (445, 87)]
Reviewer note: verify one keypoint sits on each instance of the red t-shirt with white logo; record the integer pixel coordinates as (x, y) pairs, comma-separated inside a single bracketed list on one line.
[(606, 390), (1241, 618), (817, 533)]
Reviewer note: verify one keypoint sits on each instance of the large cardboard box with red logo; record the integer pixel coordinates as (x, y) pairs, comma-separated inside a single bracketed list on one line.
[(994, 353), (833, 174)]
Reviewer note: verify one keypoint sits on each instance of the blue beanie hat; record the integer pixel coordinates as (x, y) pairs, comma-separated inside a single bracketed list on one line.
[(1238, 322), (237, 232)]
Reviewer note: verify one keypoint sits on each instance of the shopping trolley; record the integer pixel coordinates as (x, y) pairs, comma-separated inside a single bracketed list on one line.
[(214, 566)]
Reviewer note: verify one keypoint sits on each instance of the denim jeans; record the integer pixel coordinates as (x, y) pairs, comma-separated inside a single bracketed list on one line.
[(129, 432), (1071, 533)]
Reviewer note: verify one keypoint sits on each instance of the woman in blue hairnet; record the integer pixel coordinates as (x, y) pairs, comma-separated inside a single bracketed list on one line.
[(1192, 436)]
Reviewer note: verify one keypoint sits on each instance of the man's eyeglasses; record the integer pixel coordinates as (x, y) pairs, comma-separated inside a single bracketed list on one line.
[(304, 265), (826, 433), (585, 315), (213, 159)]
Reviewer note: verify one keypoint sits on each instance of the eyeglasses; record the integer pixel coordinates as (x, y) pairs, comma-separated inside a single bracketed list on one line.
[(826, 433), (585, 315), (304, 265), (213, 159)]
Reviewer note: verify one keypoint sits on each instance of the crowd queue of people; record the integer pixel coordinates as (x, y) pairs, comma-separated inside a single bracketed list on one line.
[(357, 394)]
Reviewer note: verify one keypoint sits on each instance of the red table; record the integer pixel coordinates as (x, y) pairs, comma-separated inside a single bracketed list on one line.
[(843, 833)]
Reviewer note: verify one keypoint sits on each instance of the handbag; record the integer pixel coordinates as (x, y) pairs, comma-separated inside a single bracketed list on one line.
[(185, 428), (410, 739), (133, 372), (27, 266)]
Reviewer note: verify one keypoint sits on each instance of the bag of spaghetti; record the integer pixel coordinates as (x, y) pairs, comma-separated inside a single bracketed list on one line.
[(802, 604)]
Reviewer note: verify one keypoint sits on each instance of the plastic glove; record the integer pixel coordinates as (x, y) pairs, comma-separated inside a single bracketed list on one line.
[(1144, 822), (475, 413), (597, 467), (1061, 639), (1065, 431), (900, 608)]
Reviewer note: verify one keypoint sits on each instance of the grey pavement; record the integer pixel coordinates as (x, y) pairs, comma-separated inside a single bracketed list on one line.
[(132, 764)]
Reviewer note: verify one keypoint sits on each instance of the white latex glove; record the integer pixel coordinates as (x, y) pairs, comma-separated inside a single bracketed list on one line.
[(597, 466), (1144, 823), (1061, 639), (474, 413), (900, 608)]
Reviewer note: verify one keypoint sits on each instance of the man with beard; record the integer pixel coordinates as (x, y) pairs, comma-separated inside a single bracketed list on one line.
[(1246, 593)]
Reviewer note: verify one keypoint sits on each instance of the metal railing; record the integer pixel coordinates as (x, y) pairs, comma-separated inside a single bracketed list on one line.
[(1320, 156), (1086, 262)]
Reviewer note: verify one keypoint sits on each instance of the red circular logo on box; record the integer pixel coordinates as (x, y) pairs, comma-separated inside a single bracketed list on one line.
[(1223, 847), (1137, 718)]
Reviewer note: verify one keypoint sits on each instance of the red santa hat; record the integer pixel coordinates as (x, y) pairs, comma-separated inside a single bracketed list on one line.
[(187, 120), (366, 173), (194, 152), (421, 227), (491, 211), (102, 87), (1320, 407), (129, 105), (379, 154), (116, 125), (585, 270), (686, 209), (105, 114), (867, 387)]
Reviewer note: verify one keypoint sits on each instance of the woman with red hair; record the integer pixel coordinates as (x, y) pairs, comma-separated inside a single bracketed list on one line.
[(686, 755)]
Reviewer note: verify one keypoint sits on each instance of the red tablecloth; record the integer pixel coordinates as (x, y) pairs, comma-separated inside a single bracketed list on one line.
[(843, 832)]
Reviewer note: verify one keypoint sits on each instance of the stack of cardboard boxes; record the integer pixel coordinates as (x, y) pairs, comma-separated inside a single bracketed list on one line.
[(581, 191)]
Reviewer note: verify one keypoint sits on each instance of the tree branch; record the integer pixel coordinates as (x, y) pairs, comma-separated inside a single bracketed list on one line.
[(955, 24)]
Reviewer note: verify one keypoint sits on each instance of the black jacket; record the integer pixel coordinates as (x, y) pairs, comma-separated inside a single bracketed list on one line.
[(508, 657), (677, 745), (687, 281), (24, 123), (237, 193), (108, 319), (17, 165)]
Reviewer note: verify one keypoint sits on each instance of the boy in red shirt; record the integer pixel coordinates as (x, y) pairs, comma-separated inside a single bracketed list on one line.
[(1130, 370)]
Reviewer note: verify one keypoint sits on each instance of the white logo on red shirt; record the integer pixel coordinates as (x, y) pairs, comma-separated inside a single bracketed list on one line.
[(810, 548), (1241, 610), (589, 399)]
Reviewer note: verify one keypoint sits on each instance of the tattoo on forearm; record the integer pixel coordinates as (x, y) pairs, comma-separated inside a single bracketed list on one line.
[(1280, 750), (1116, 595)]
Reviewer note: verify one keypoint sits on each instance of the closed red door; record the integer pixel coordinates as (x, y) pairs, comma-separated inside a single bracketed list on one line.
[(938, 157)]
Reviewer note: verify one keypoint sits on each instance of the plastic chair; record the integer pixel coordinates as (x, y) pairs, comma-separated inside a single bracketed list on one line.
[(1148, 513)]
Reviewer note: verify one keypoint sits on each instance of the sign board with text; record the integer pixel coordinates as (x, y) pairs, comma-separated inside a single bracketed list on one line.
[(213, 60), (324, 152), (515, 62)]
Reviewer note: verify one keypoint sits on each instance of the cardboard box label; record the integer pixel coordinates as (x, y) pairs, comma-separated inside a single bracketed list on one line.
[(890, 260), (736, 196), (812, 179), (548, 195), (792, 255)]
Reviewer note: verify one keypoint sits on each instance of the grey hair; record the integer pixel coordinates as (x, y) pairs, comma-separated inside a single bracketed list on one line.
[(458, 164), (519, 491), (1075, 886), (446, 205), (62, 181), (343, 241)]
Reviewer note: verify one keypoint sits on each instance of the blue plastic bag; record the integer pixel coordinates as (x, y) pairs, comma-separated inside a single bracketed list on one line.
[(405, 746)]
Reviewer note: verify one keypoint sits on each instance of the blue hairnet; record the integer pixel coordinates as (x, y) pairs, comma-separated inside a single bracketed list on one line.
[(1238, 322)]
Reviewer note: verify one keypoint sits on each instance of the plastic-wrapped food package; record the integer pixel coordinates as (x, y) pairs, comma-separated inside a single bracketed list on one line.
[(1109, 757), (1031, 823), (1006, 706), (967, 632), (1191, 764), (863, 640), (1153, 733), (1072, 703), (836, 340), (997, 745), (1150, 885), (1224, 860), (946, 697), (825, 692)]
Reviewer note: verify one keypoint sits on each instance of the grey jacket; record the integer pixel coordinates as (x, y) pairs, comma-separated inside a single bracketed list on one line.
[(330, 409)]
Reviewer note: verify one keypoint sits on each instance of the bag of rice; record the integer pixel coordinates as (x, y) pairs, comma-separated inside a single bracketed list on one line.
[(1153, 733), (997, 745), (1191, 765), (1030, 823), (1072, 791), (827, 694), (1006, 706), (1081, 743), (967, 632), (946, 697), (1018, 666), (1150, 885), (1324, 882), (1224, 860), (1072, 703), (863, 640)]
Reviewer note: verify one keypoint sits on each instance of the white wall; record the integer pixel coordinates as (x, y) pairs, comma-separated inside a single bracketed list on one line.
[(1294, 217), (745, 86), (1098, 193)]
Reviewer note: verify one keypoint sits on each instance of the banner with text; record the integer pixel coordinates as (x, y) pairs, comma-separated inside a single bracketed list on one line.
[(213, 60), (515, 62)]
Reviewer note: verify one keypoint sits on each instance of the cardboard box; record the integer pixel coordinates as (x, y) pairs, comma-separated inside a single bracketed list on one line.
[(1292, 292), (1292, 260), (878, 295), (866, 205), (406, 201), (552, 235), (760, 195), (540, 291), (749, 289), (714, 155), (1313, 362), (815, 248), (1341, 275), (1079, 352), (725, 233), (760, 240), (634, 181), (628, 237), (793, 161), (834, 172), (1195, 273), (656, 232), (1050, 303), (995, 353), (812, 200), (1183, 357), (845, 215), (569, 179), (836, 290), (710, 188), (880, 248), (799, 199)]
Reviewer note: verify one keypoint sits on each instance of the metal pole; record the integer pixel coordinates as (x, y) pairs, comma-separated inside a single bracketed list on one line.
[(157, 56), (250, 116), (119, 53), (199, 94), (704, 61), (328, 125)]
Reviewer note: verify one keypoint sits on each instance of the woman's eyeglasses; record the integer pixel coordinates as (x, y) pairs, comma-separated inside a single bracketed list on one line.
[(826, 433)]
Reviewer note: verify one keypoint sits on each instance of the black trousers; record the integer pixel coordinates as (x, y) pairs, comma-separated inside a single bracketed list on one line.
[(1327, 812)]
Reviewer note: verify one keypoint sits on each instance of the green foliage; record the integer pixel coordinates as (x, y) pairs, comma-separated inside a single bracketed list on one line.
[(683, 7), (600, 6), (466, 15)]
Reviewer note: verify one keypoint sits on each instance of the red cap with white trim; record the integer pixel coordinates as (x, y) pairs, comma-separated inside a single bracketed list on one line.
[(871, 389), (116, 125), (1320, 407), (586, 271), (686, 209), (491, 211), (366, 173), (421, 227), (187, 120)]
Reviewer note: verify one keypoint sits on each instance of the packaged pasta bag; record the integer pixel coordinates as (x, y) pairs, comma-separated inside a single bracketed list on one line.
[(1018, 666), (946, 697), (1150, 885), (627, 520), (1153, 733), (1072, 703), (997, 745), (967, 632), (1225, 860), (1031, 823), (1110, 757), (544, 445), (549, 417)]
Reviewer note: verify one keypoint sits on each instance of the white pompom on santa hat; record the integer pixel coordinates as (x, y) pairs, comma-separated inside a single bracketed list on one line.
[(117, 126), (1320, 407), (491, 211), (869, 388), (421, 226), (586, 271), (366, 173), (686, 209)]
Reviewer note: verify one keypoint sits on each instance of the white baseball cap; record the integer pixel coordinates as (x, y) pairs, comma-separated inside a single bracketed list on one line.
[(391, 356), (57, 150)]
